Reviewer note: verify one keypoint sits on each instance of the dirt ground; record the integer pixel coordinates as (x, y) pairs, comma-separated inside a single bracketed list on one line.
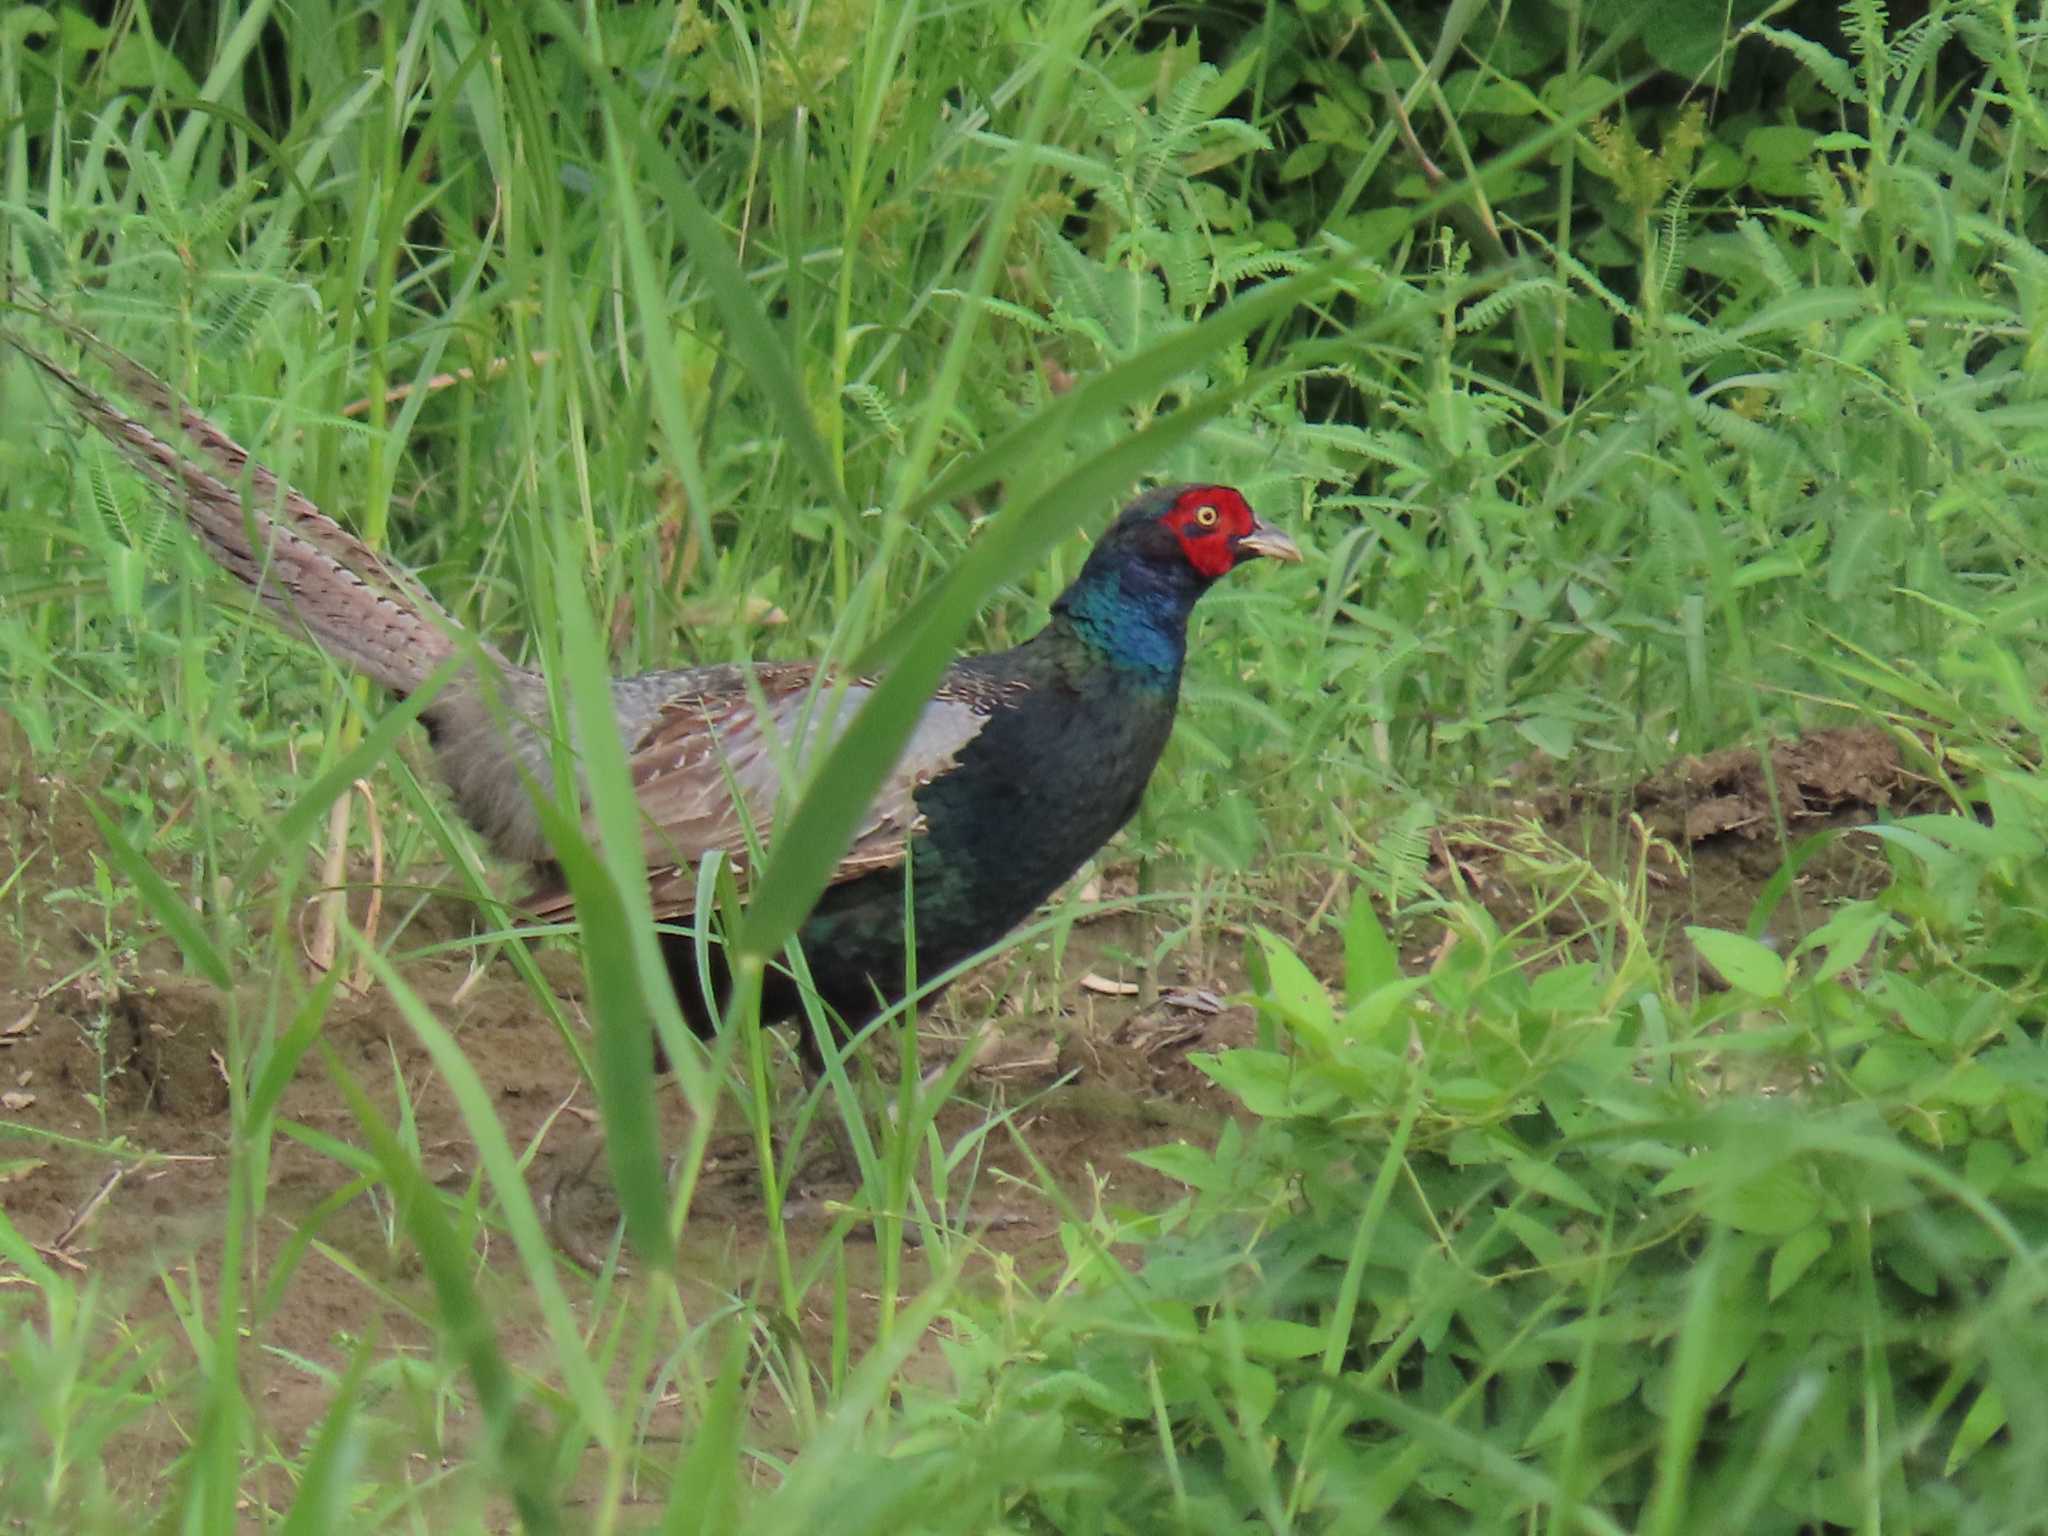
[(114, 1100)]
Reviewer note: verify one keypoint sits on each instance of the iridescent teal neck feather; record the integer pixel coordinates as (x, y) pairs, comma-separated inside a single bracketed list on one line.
[(1134, 616)]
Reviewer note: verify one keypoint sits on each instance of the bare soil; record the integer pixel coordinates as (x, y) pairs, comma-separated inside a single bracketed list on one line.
[(114, 1095), (1705, 836)]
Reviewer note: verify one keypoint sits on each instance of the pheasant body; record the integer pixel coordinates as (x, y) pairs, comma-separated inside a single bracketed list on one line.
[(1022, 765), (1049, 780)]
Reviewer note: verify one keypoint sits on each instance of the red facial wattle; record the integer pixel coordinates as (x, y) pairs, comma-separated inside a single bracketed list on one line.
[(1208, 521)]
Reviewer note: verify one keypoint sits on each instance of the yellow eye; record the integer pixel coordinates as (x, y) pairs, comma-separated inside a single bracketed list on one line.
[(1206, 516)]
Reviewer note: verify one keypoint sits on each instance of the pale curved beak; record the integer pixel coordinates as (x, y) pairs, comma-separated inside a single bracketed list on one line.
[(1270, 542)]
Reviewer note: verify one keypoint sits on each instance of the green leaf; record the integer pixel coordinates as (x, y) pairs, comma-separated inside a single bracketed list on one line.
[(1370, 959), (1542, 1241), (707, 1496), (1780, 158), (1796, 313), (1288, 988), (631, 994), (1770, 568), (1372, 1021), (1894, 1066), (1774, 1203), (1796, 1255), (1985, 1419), (1966, 835), (1922, 1013), (1744, 963), (1779, 144), (1847, 936), (1568, 989), (1469, 1095), (23, 22), (1304, 160), (1552, 1181), (1188, 1165), (1270, 1085), (1275, 1338), (1551, 736), (1987, 1165), (1686, 40)]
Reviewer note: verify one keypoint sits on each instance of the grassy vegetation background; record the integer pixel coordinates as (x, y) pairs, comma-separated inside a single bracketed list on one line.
[(1642, 379)]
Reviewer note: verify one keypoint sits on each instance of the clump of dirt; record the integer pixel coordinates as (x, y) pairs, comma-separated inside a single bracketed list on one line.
[(1840, 777), (1703, 834)]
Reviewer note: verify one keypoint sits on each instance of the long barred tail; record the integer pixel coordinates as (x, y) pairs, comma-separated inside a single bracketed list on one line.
[(300, 562)]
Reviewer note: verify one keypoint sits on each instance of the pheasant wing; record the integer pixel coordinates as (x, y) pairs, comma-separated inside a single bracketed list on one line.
[(709, 772)]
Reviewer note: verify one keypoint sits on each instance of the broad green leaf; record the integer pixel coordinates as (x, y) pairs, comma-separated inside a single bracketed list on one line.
[(1372, 1021), (1542, 1240), (1370, 959), (1289, 989), (1894, 1065), (1847, 936), (1796, 1255), (1550, 735), (1987, 1165), (1552, 1181), (1744, 963), (1775, 1203), (1275, 1338), (1191, 1166), (1270, 1084), (1986, 1418)]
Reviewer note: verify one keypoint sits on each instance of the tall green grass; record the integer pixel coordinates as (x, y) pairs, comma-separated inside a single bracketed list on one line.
[(862, 312)]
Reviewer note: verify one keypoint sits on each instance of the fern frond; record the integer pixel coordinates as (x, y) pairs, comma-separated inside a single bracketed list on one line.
[(1737, 431), (1485, 313), (1776, 270), (2021, 252), (1582, 274), (1914, 49), (1869, 30), (1016, 314), (242, 308), (1182, 253), (1180, 118), (1834, 74), (874, 405), (1676, 231), (1257, 261), (1401, 854), (1695, 343)]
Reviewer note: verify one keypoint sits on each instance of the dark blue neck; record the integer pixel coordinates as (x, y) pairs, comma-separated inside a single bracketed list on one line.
[(1133, 614)]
